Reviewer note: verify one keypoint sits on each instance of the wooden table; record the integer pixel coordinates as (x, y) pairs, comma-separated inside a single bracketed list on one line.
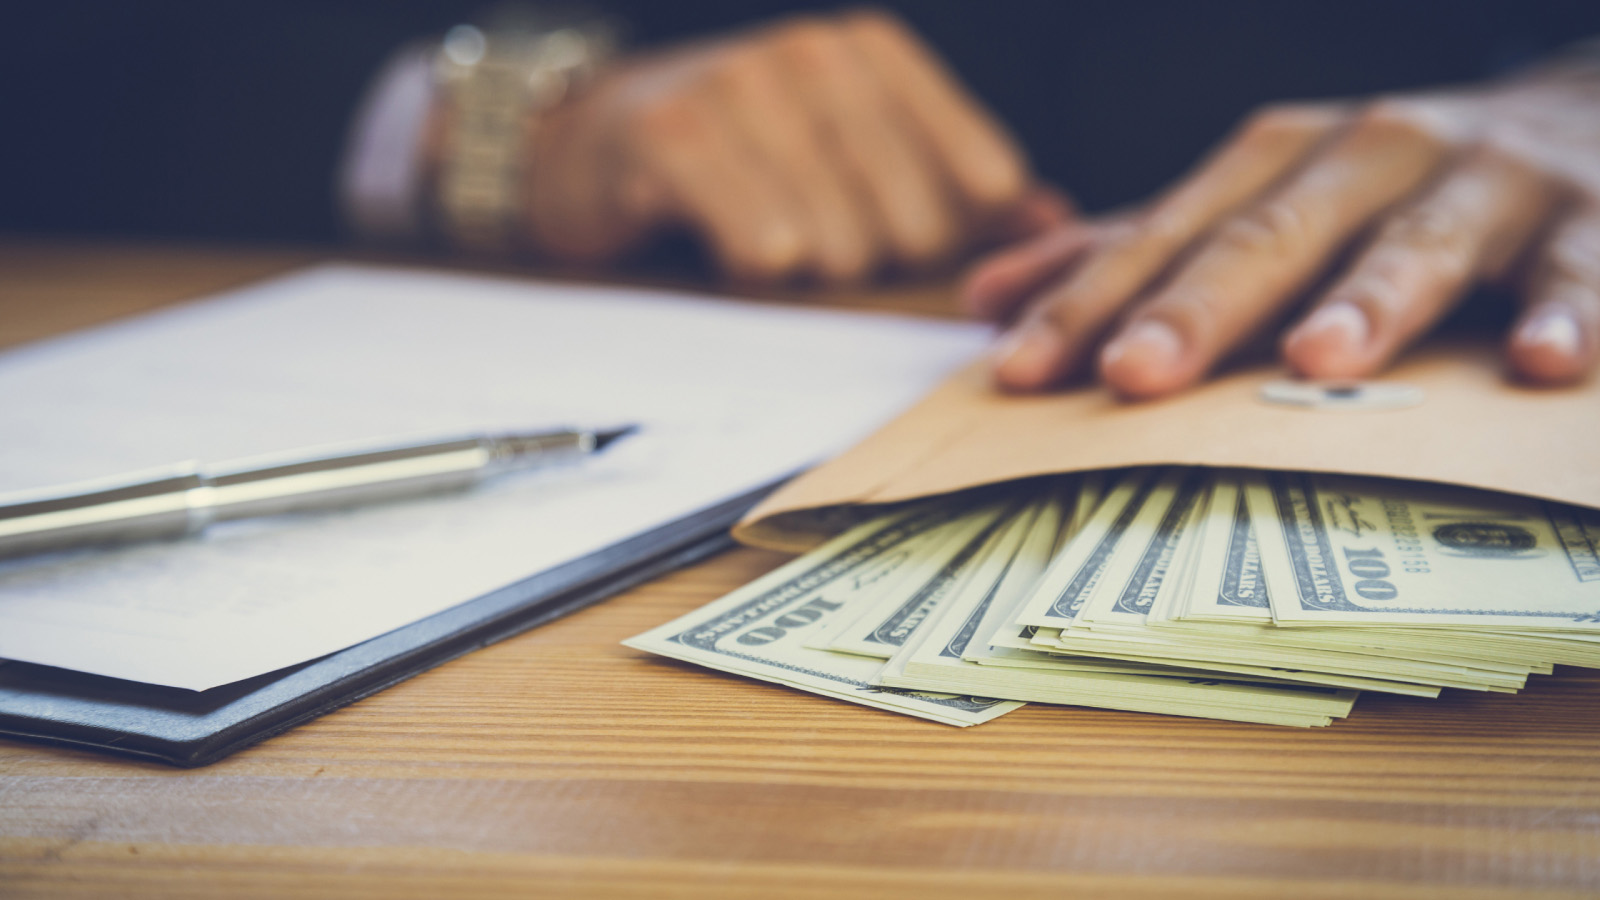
[(560, 763)]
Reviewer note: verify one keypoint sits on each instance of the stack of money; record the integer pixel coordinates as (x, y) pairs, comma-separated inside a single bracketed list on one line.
[(1271, 597)]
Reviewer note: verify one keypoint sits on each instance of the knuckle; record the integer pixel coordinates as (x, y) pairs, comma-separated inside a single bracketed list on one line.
[(1574, 251), (1410, 121), (1433, 234), (739, 67), (1501, 148), (1124, 259), (1165, 228), (798, 26), (1105, 280), (1513, 158), (1119, 233), (1380, 287), (669, 117), (1400, 291), (1082, 306), (925, 244), (1275, 230), (991, 179), (1067, 311), (808, 40), (876, 20), (1292, 120)]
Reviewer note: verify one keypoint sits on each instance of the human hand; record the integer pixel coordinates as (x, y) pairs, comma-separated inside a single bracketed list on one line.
[(825, 147), (1441, 191)]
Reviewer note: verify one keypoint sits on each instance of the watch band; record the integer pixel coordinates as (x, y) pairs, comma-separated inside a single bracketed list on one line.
[(495, 82)]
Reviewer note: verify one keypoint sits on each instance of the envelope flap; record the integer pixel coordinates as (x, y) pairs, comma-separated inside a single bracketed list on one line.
[(1472, 427)]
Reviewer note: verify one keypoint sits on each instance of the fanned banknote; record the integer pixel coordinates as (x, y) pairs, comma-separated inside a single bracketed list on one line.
[(1365, 552), (760, 629), (1255, 597)]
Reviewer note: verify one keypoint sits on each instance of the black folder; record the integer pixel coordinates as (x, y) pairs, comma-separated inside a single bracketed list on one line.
[(195, 728)]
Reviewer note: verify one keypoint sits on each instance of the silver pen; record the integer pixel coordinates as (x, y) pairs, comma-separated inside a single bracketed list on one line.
[(184, 499)]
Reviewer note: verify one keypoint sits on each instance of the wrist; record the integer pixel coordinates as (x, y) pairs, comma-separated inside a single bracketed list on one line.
[(572, 206), (496, 90)]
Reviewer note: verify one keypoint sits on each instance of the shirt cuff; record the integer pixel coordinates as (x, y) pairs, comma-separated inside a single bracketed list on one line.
[(381, 176)]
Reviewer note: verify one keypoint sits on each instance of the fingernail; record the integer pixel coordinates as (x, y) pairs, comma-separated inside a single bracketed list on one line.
[(1555, 331), (1028, 355), (1338, 325), (1149, 345)]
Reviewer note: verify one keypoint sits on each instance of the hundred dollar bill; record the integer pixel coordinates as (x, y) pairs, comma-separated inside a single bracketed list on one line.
[(948, 648), (1230, 599), (1228, 583), (937, 658), (1346, 551), (1227, 603), (1111, 684), (760, 629), (1007, 572), (971, 635), (1173, 692), (1088, 564), (1147, 559), (1149, 571), (909, 566), (1046, 534), (1091, 489), (1254, 647), (950, 629), (1078, 567), (1094, 489), (886, 624)]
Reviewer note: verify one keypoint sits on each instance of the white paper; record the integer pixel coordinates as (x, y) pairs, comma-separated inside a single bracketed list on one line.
[(729, 395)]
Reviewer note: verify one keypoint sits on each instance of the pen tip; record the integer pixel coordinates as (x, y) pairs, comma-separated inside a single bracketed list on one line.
[(603, 438)]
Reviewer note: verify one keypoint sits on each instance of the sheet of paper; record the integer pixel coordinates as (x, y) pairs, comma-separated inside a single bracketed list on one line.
[(729, 395)]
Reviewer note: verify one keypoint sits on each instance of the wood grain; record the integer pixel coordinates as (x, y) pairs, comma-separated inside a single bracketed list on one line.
[(562, 764)]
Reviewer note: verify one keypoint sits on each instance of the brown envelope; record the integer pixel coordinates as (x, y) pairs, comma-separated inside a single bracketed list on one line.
[(1472, 427)]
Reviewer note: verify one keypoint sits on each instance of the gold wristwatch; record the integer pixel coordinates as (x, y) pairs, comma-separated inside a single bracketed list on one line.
[(495, 80)]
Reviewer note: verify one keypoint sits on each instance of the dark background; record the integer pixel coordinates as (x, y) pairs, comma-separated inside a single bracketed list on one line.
[(225, 120)]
